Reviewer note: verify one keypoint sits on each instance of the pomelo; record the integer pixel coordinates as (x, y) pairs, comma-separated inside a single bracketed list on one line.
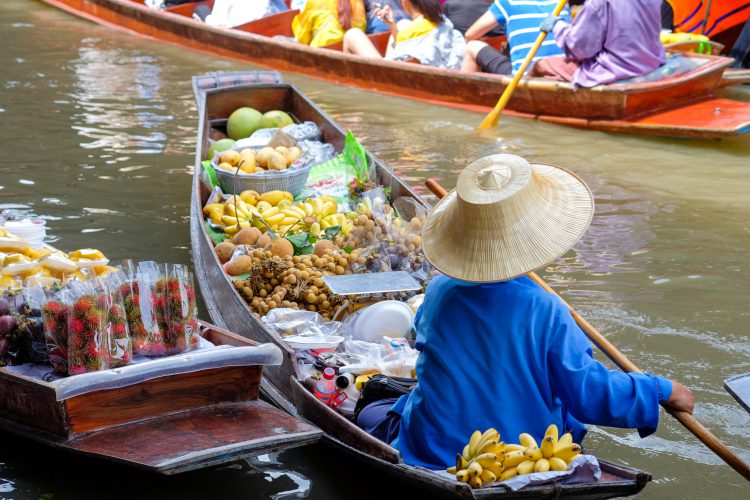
[(220, 145), (243, 122), (276, 119)]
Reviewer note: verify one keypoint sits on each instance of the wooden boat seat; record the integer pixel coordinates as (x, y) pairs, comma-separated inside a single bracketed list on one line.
[(275, 24), (187, 9)]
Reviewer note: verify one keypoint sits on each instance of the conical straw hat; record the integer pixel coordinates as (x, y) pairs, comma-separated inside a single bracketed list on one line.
[(506, 218)]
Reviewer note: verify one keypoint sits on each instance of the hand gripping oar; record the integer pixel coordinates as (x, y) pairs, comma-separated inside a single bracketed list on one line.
[(687, 420), (494, 116)]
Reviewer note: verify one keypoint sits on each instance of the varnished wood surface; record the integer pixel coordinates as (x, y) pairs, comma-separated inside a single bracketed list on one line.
[(201, 437), (162, 396), (30, 402), (533, 97)]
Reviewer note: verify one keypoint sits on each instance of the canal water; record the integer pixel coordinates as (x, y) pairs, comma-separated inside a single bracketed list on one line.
[(97, 134)]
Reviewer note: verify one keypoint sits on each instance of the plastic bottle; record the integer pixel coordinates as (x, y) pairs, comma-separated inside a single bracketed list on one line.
[(326, 387)]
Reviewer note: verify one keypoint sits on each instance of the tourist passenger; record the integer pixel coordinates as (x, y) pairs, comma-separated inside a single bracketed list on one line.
[(521, 19), (231, 13), (374, 23), (464, 13), (496, 349), (324, 22), (609, 40), (428, 36)]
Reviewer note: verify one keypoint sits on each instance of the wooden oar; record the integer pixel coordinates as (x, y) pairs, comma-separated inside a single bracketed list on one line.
[(687, 420), (494, 116)]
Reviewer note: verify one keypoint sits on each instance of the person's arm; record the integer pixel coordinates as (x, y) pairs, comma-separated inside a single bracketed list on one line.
[(584, 38), (486, 23), (596, 395)]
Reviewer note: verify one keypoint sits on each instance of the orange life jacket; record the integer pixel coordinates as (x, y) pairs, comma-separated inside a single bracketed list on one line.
[(723, 14)]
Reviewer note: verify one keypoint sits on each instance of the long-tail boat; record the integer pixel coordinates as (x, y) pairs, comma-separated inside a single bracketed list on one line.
[(168, 416), (218, 96), (681, 105)]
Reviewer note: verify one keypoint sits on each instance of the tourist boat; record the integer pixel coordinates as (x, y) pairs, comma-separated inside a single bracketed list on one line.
[(675, 106), (168, 415), (218, 96)]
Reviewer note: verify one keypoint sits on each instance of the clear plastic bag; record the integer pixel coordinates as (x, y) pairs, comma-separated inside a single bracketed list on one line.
[(86, 330), (175, 312), (137, 293), (288, 322), (31, 326), (316, 152), (116, 342), (55, 313)]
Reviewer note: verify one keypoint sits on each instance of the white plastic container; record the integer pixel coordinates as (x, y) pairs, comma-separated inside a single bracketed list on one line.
[(31, 231), (390, 318)]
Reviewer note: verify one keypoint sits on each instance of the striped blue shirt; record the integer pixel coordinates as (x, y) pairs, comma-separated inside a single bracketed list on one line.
[(522, 19)]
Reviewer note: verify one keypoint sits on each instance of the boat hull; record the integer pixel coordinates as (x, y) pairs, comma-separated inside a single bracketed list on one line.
[(227, 307)]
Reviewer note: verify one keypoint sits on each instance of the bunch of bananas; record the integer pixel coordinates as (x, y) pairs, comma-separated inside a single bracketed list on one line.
[(554, 454), (482, 459), (485, 460), (276, 210)]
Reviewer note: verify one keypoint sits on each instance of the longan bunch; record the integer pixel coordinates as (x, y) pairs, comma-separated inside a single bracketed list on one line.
[(295, 282)]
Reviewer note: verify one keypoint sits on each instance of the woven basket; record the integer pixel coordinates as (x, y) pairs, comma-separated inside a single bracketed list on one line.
[(291, 180)]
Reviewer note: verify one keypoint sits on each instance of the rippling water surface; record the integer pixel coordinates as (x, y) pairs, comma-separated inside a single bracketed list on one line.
[(98, 133)]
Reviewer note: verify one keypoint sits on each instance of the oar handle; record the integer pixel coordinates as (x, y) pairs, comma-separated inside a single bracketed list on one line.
[(492, 118), (687, 420)]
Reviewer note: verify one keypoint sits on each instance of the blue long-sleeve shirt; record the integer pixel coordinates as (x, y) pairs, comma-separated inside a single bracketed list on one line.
[(510, 356)]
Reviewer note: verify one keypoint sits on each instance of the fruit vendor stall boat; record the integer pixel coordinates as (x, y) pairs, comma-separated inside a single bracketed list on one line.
[(681, 105), (168, 415), (218, 96)]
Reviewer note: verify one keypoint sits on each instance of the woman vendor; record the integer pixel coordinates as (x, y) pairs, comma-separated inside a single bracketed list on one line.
[(324, 22), (496, 349)]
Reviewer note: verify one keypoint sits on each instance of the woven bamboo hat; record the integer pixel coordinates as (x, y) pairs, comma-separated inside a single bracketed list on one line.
[(506, 218)]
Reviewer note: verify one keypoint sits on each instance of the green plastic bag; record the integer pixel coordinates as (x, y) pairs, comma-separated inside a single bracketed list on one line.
[(332, 177)]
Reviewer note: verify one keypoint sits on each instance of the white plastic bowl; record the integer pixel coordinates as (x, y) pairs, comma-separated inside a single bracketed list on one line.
[(390, 318)]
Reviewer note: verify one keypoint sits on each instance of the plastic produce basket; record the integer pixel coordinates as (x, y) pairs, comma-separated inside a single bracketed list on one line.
[(292, 179)]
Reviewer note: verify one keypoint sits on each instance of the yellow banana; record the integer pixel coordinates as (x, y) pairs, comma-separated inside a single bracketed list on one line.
[(533, 453), (514, 458), (212, 206), (508, 473), (542, 465), (486, 459), (216, 215), (527, 440), (513, 447), (474, 469), (465, 454), (557, 464), (476, 482), (285, 203), (552, 431), (329, 208), (496, 468), (270, 212), (308, 208), (317, 204), (488, 476), (490, 436), (229, 220), (569, 452), (289, 221), (548, 446), (565, 440), (526, 467), (262, 206), (274, 219), (463, 476), (315, 230), (473, 440), (451, 470), (231, 229), (296, 211)]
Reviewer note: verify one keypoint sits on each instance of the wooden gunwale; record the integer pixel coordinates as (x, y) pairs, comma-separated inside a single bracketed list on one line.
[(226, 306), (534, 97)]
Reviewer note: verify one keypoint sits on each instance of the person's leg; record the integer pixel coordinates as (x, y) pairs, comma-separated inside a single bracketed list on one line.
[(356, 42), (469, 64), (557, 67), (201, 12), (485, 58), (377, 420)]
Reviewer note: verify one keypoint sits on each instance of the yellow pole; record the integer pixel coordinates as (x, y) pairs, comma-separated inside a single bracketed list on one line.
[(494, 116)]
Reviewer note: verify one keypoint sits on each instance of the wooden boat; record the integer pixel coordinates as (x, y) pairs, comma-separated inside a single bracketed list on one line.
[(169, 415), (217, 98), (678, 106)]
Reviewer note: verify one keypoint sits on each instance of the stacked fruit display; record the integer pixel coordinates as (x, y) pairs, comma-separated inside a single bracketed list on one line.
[(276, 211), (485, 460)]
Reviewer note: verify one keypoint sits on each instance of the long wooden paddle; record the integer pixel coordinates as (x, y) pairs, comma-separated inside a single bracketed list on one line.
[(494, 116), (687, 420)]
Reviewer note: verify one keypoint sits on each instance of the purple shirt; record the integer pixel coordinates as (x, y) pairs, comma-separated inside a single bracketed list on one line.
[(613, 40)]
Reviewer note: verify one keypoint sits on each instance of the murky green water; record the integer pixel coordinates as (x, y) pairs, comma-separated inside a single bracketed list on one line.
[(98, 130)]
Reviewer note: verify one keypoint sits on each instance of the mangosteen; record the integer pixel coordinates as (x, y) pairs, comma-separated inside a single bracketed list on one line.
[(7, 325)]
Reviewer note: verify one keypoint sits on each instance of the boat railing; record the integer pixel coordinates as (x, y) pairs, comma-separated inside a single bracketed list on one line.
[(273, 25)]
